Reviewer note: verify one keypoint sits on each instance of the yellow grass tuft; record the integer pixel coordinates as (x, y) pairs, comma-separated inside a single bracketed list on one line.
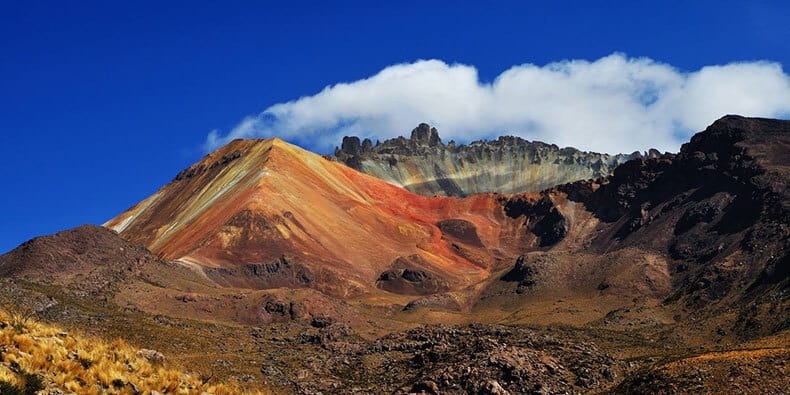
[(44, 355)]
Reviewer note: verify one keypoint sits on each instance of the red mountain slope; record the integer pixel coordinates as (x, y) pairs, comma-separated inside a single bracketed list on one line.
[(264, 213)]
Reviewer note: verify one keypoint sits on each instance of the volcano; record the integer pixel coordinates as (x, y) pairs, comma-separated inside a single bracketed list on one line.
[(265, 213), (263, 248)]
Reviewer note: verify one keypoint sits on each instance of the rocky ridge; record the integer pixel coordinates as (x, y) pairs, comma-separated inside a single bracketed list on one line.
[(718, 212), (425, 165)]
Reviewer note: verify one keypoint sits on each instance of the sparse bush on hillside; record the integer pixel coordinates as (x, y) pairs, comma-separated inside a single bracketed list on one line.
[(7, 388), (18, 317), (36, 356)]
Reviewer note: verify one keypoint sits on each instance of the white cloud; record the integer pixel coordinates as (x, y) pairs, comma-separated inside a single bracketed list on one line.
[(613, 104)]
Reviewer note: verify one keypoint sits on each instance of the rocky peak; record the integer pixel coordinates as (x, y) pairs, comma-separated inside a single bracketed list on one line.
[(351, 145), (424, 134), (722, 138)]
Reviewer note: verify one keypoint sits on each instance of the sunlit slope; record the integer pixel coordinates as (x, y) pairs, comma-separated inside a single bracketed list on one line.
[(255, 201)]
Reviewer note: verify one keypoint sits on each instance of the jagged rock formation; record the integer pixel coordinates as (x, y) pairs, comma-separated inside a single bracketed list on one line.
[(425, 165)]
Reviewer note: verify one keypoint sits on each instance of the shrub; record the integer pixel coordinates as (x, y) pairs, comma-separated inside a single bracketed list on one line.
[(33, 383), (19, 318), (7, 388), (36, 355)]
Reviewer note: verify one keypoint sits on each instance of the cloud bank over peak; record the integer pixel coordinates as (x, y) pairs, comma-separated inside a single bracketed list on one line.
[(613, 104)]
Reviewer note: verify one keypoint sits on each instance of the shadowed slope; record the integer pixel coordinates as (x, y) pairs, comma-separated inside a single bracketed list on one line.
[(718, 212)]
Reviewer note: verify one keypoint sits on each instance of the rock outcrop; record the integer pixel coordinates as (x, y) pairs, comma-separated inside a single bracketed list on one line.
[(425, 165), (719, 210), (407, 277)]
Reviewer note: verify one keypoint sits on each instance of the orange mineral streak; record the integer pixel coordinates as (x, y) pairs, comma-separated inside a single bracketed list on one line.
[(253, 201)]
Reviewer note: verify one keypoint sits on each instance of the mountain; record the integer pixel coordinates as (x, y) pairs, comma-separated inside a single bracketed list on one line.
[(702, 229), (425, 165), (710, 225), (267, 214), (277, 266)]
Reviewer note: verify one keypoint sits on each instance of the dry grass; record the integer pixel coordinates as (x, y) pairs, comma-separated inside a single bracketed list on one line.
[(35, 355)]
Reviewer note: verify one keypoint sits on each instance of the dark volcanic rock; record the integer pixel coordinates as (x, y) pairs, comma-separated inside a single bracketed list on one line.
[(522, 273), (461, 230), (720, 209), (407, 278), (476, 359), (541, 216), (279, 273)]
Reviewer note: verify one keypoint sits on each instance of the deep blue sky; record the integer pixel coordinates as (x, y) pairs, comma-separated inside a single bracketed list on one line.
[(102, 103)]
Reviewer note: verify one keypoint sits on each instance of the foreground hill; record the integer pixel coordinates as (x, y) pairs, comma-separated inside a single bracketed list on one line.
[(88, 257), (426, 166)]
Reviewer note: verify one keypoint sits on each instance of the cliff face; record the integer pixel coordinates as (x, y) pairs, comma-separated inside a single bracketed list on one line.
[(425, 165)]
